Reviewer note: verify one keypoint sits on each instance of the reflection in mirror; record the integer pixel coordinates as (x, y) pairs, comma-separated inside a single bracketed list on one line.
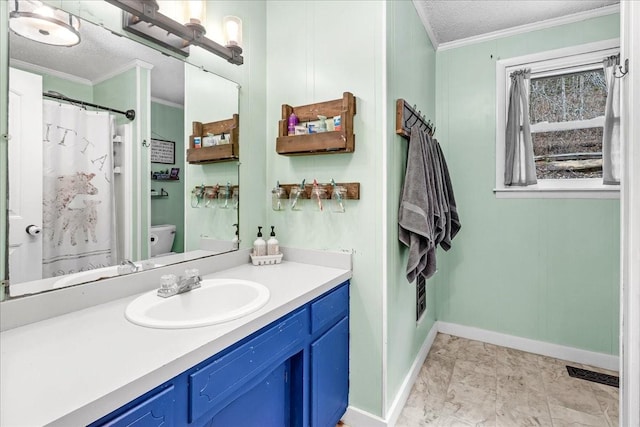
[(90, 189)]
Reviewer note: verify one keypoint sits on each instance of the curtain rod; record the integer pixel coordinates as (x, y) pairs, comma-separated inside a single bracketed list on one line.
[(129, 114)]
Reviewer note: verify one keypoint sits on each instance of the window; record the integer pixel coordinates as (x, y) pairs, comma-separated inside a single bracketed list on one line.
[(566, 113), (567, 98)]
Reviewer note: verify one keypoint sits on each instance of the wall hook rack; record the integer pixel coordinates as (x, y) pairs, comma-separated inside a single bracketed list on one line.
[(408, 116)]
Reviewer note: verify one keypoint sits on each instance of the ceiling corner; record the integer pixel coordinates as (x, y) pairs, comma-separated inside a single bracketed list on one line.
[(422, 13)]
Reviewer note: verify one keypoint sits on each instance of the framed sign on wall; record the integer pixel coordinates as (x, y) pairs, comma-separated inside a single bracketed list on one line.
[(163, 151)]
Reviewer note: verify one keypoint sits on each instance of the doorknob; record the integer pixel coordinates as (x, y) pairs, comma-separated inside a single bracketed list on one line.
[(33, 230)]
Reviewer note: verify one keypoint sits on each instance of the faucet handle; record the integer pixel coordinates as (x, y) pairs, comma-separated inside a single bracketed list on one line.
[(191, 272), (168, 285)]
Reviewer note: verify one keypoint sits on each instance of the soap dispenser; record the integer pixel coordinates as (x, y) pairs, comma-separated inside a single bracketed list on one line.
[(259, 245), (235, 242), (273, 247)]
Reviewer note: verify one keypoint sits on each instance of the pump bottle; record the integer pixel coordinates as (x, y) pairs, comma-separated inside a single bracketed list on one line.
[(273, 247), (259, 245)]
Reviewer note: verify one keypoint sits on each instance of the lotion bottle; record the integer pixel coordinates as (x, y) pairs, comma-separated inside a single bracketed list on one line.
[(273, 247), (236, 239), (259, 245)]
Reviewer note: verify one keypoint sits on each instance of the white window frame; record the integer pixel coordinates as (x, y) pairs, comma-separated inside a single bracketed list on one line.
[(576, 58)]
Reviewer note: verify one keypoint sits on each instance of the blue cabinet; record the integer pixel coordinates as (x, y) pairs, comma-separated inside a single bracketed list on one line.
[(293, 372), (330, 375)]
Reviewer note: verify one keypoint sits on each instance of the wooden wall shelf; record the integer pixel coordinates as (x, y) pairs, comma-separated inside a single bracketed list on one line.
[(217, 153), (332, 142)]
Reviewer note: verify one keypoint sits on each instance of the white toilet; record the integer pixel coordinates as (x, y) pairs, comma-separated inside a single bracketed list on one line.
[(161, 239)]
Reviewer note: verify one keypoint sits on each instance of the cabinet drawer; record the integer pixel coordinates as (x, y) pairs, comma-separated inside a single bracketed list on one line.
[(158, 410), (213, 387), (330, 308)]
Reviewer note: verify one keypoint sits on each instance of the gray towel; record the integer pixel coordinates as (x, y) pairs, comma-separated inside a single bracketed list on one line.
[(416, 213), (454, 224), (441, 214)]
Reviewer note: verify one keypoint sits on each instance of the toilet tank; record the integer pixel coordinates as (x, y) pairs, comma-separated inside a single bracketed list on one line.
[(161, 238)]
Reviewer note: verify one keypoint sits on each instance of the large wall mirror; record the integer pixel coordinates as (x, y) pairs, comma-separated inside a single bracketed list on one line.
[(92, 193)]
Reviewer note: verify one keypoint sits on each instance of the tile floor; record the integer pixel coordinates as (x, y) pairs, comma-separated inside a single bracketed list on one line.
[(470, 383)]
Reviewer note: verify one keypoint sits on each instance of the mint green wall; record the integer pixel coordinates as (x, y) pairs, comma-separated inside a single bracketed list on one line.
[(337, 47), (167, 122), (66, 87), (545, 269), (209, 98), (4, 99), (130, 90), (411, 75)]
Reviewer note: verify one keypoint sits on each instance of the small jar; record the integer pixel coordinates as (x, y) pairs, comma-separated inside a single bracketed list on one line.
[(338, 199), (224, 198), (278, 197), (197, 195), (318, 196), (210, 197), (235, 197), (296, 196)]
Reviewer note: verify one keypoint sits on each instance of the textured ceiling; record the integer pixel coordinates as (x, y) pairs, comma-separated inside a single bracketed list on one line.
[(452, 20), (99, 54)]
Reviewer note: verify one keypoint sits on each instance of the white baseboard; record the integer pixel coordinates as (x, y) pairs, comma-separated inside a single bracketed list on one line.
[(600, 360), (355, 417), (405, 389)]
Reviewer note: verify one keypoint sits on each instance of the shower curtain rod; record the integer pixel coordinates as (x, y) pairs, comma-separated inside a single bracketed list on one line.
[(129, 114)]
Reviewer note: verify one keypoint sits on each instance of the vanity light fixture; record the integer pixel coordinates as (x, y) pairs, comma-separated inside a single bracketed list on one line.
[(44, 24), (143, 18)]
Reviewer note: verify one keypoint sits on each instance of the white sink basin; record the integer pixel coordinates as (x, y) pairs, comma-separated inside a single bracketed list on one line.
[(216, 301)]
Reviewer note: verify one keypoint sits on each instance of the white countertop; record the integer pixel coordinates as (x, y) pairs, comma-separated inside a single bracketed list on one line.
[(75, 368)]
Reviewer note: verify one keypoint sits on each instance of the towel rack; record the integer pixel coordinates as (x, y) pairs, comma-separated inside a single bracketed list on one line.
[(407, 117)]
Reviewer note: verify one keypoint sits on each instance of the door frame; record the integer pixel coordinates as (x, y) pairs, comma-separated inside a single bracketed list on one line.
[(630, 218)]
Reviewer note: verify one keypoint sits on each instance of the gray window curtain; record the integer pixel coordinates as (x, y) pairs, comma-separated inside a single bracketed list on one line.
[(519, 168), (611, 134)]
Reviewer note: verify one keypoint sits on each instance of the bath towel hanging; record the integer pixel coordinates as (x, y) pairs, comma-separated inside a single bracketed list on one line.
[(428, 215)]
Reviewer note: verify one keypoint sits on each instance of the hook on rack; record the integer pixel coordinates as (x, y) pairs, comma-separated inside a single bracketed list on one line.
[(623, 72), (408, 117)]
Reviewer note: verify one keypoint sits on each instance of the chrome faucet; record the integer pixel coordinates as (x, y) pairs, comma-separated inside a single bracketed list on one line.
[(127, 267), (171, 285)]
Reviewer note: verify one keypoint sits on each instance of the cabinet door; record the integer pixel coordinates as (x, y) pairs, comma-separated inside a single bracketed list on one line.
[(265, 405), (330, 375), (156, 411)]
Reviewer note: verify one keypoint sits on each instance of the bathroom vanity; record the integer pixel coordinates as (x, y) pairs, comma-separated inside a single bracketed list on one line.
[(286, 364), (292, 372)]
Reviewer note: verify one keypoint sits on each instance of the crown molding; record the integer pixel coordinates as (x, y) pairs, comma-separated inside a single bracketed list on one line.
[(126, 67), (48, 71), (534, 26), (167, 103)]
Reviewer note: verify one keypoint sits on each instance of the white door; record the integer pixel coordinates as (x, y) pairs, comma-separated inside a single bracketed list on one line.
[(25, 176)]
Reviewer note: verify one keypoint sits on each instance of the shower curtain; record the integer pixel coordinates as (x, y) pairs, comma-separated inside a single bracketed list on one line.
[(78, 199)]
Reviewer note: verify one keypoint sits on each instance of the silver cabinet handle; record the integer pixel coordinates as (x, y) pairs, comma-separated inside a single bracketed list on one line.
[(33, 230)]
